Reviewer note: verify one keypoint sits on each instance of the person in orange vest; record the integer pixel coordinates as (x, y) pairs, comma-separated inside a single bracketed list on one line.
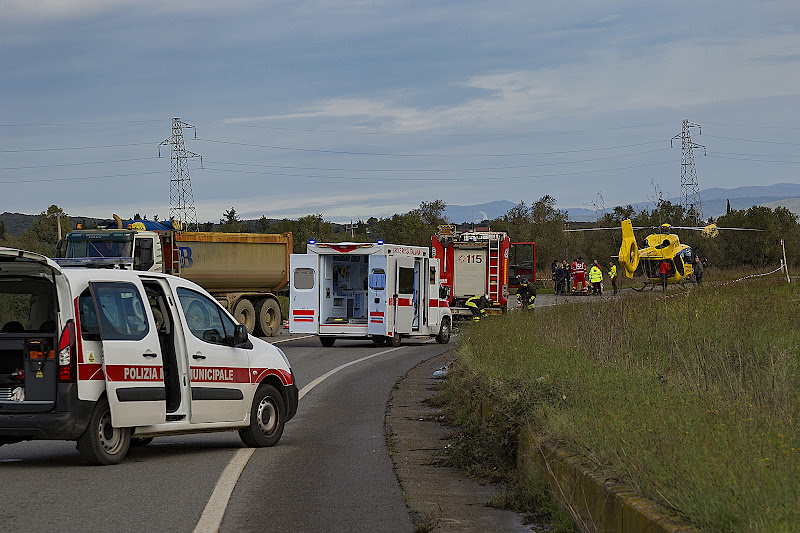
[(578, 274)]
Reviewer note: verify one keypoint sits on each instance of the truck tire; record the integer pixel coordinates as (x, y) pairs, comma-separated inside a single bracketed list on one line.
[(101, 443), (444, 332), (394, 340), (268, 317), (245, 314), (267, 418), (327, 341)]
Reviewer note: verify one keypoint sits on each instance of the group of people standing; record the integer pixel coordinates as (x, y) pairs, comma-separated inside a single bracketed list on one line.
[(567, 277)]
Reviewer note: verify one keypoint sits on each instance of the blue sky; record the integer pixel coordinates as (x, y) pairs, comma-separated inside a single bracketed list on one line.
[(367, 108)]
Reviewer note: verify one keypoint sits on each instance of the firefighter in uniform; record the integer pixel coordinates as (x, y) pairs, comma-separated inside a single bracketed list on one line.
[(526, 294), (477, 305)]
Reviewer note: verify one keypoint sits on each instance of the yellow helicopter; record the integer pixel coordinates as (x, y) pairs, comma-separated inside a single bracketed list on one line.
[(659, 247)]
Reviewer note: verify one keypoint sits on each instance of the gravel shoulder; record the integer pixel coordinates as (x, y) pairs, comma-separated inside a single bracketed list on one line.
[(443, 499)]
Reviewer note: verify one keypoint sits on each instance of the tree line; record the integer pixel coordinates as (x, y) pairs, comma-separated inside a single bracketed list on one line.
[(540, 222)]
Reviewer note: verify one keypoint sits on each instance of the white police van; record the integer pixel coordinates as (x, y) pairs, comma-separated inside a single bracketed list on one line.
[(112, 358)]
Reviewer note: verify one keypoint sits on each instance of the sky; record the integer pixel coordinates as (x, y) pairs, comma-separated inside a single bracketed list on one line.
[(367, 108)]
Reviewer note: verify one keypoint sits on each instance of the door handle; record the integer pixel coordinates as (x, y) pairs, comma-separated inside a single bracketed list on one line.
[(149, 354), (198, 355)]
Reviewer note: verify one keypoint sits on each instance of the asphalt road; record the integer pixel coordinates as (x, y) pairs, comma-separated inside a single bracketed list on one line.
[(331, 470)]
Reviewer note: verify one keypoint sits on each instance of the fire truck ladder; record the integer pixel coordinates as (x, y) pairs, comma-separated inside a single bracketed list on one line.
[(494, 269)]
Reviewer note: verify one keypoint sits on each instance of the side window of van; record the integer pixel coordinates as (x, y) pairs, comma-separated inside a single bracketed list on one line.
[(120, 312), (90, 328), (204, 318)]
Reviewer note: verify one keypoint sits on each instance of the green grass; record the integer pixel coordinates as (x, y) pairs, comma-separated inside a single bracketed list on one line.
[(692, 400)]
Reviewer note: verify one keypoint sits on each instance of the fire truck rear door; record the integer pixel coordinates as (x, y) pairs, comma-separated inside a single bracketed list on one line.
[(304, 293), (379, 317), (404, 295)]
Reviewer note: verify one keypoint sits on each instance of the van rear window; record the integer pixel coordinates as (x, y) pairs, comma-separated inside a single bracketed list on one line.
[(26, 305)]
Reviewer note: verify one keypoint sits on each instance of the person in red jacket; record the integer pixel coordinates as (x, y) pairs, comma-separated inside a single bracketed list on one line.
[(578, 274), (663, 272)]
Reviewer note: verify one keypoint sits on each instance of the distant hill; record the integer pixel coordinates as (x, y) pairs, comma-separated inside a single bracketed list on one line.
[(459, 214), (17, 223)]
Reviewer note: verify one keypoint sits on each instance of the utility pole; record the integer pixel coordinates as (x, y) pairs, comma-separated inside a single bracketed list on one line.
[(181, 201), (690, 191)]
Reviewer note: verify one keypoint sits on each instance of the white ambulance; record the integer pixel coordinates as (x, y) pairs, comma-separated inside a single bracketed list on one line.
[(380, 291), (112, 358)]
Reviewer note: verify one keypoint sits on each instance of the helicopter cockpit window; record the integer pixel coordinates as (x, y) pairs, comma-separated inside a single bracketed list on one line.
[(678, 264)]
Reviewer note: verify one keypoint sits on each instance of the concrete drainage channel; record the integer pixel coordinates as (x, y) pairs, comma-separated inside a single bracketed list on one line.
[(598, 505)]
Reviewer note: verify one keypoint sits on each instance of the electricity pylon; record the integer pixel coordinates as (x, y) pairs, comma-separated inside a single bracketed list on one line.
[(690, 190), (181, 201)]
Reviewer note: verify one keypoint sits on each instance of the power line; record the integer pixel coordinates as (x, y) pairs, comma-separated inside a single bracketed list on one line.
[(428, 179), (389, 154), (65, 148), (55, 165), (426, 134), (76, 178)]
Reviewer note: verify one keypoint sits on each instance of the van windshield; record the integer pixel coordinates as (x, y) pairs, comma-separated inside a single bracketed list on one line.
[(100, 245)]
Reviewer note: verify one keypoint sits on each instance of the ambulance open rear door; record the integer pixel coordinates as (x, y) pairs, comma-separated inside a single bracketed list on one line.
[(304, 293), (404, 296), (381, 320)]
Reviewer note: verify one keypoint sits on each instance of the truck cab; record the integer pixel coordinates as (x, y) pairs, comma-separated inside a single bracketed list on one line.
[(143, 247), (108, 357)]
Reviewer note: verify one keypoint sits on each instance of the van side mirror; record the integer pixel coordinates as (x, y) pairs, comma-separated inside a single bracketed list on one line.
[(239, 335)]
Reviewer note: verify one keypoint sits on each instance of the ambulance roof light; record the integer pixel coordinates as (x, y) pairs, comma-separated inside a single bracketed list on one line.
[(380, 241), (312, 241)]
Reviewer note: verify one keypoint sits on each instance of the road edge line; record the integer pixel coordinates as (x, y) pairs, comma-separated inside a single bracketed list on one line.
[(214, 511)]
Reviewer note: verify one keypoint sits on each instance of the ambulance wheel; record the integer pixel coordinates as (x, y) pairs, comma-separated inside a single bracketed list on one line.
[(101, 443), (394, 340), (141, 443), (327, 341), (268, 317), (444, 333), (267, 417), (245, 314)]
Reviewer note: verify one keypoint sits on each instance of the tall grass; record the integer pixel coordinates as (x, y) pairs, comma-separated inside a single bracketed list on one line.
[(691, 399)]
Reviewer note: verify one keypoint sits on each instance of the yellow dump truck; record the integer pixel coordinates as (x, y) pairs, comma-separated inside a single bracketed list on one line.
[(243, 271)]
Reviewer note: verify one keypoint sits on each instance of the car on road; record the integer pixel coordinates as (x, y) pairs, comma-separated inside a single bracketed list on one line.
[(112, 358)]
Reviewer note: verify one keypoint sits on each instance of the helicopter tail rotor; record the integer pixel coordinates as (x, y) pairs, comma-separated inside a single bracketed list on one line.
[(629, 251)]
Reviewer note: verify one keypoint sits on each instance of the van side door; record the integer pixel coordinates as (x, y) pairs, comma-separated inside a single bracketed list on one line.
[(132, 361)]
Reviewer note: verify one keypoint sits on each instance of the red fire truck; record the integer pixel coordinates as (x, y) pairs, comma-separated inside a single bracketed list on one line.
[(481, 261), (472, 263)]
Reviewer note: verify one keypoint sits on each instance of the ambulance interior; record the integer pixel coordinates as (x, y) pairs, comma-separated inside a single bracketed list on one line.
[(344, 289)]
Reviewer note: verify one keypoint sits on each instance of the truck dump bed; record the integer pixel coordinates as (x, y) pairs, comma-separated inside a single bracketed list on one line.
[(235, 262)]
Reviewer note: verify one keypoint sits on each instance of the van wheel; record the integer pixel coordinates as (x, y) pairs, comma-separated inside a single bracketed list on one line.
[(267, 418), (101, 443), (444, 333), (394, 340), (268, 317), (327, 341), (245, 314)]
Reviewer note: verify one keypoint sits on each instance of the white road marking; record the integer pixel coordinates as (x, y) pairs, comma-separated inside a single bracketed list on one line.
[(292, 339), (214, 511)]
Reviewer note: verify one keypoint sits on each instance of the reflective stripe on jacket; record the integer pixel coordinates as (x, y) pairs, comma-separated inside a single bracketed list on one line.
[(595, 274)]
